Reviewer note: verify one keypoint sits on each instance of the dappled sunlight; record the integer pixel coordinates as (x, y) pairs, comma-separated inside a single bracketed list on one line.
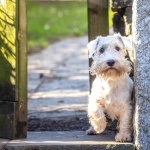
[(58, 86), (78, 78), (52, 110), (64, 100), (58, 94), (55, 142)]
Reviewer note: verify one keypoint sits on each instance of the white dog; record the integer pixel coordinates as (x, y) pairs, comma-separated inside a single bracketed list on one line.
[(112, 87)]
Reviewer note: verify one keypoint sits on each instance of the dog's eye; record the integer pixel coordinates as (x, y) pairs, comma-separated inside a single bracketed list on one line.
[(94, 54), (117, 48), (102, 50)]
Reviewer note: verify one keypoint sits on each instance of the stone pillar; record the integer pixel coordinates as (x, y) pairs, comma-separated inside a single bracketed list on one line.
[(123, 17), (128, 20), (141, 41)]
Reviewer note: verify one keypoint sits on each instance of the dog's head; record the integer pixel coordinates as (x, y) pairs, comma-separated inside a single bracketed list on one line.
[(109, 54)]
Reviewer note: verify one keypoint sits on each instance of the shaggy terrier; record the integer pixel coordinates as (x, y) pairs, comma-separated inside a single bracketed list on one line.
[(112, 88)]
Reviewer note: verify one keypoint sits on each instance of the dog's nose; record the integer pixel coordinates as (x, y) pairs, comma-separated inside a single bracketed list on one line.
[(110, 62)]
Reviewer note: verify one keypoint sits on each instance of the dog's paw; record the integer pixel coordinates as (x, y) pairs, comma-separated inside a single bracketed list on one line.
[(91, 131), (100, 129), (123, 137)]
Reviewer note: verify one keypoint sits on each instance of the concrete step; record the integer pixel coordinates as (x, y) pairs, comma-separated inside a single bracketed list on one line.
[(67, 140)]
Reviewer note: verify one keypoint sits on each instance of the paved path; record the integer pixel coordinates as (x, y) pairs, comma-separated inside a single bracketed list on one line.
[(58, 80)]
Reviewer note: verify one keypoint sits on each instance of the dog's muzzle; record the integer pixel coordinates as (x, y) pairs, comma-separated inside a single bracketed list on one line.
[(110, 62)]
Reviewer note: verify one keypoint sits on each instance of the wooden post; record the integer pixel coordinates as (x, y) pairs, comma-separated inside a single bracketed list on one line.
[(141, 41), (21, 78), (97, 22), (13, 99)]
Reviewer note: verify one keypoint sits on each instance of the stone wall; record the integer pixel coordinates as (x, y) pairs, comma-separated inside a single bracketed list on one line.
[(123, 17)]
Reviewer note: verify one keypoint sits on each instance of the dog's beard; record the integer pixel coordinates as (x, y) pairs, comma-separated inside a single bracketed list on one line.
[(102, 69)]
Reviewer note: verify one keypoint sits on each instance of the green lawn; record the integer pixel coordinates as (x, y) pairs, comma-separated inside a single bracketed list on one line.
[(51, 21)]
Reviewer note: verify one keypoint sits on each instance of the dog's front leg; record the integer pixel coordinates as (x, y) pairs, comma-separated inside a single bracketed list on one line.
[(97, 119), (125, 126)]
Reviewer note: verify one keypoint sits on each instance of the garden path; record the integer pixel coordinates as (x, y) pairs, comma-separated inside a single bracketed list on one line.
[(58, 85)]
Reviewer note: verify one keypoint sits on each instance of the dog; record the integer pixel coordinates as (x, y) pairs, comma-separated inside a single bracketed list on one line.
[(112, 88)]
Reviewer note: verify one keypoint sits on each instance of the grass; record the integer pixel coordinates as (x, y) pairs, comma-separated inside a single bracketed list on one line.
[(52, 21)]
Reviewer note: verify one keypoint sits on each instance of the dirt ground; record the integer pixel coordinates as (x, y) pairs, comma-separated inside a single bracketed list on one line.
[(70, 124), (47, 124)]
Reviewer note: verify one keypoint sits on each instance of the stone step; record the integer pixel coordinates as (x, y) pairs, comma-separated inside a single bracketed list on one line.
[(67, 140)]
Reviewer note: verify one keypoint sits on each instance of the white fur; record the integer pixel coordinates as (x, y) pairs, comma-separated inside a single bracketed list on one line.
[(112, 88), (92, 45)]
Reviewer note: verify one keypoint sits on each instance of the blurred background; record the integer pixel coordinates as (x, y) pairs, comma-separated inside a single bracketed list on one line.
[(53, 20)]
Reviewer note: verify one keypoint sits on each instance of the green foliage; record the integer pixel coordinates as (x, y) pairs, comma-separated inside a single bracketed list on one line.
[(50, 21)]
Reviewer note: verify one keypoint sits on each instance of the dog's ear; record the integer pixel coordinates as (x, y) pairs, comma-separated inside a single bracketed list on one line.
[(92, 46), (126, 41)]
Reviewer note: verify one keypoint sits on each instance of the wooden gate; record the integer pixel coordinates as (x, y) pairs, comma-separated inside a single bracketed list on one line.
[(13, 82)]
